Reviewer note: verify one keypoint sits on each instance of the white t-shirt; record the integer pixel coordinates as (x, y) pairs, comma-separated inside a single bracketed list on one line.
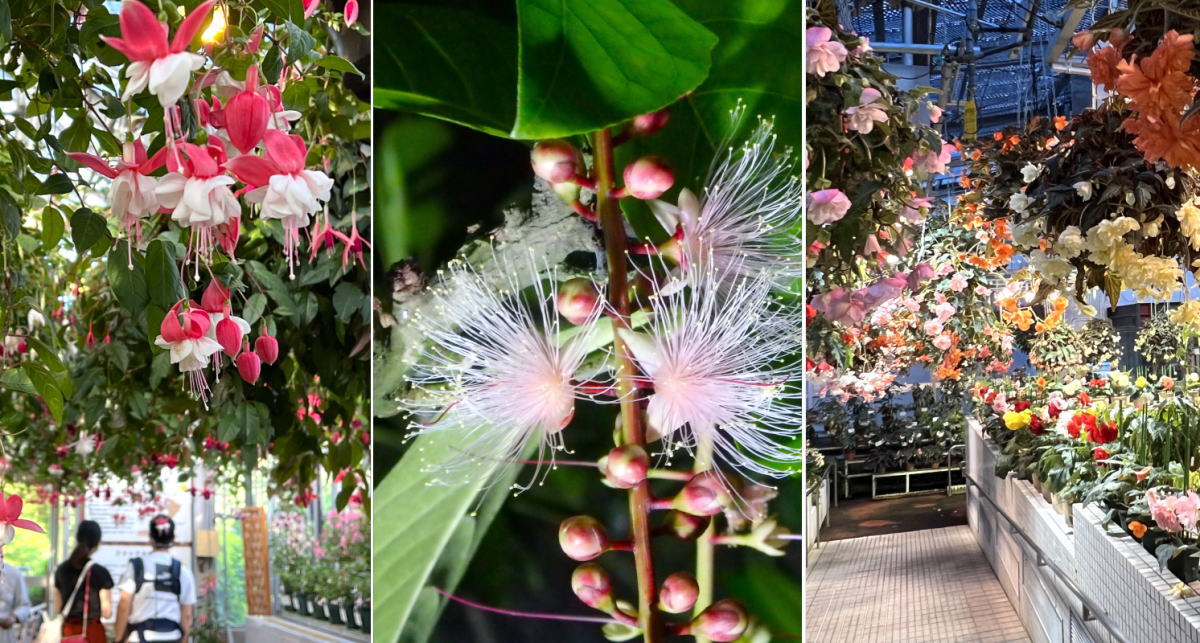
[(150, 603)]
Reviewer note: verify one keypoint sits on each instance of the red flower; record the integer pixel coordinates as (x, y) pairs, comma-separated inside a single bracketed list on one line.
[(1104, 433), (1054, 409), (1081, 422), (1100, 454), (1035, 425), (1021, 406), (1085, 399)]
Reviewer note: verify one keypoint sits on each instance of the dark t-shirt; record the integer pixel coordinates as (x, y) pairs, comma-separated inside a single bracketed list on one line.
[(65, 578)]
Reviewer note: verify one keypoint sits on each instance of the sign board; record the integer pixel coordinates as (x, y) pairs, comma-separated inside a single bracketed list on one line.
[(258, 561), (127, 535)]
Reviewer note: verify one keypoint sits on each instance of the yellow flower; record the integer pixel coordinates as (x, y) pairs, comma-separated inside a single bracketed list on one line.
[(1017, 420), (1140, 382)]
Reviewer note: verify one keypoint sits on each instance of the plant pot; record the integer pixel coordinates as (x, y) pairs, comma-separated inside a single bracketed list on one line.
[(305, 605), (935, 464), (335, 612), (1186, 567), (322, 611), (364, 617), (346, 611), (851, 454), (910, 466)]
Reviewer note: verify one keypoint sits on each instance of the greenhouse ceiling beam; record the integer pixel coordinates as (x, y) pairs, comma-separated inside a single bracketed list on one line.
[(1069, 24), (913, 48), (949, 12)]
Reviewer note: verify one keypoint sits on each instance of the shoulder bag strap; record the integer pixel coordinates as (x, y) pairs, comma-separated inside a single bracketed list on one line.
[(78, 582), (87, 595)]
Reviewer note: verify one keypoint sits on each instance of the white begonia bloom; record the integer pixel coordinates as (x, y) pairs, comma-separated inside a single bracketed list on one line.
[(1030, 172), (1018, 202), (1070, 243), (1083, 189)]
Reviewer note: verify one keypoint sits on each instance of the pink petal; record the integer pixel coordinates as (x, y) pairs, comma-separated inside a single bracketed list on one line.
[(191, 26), (152, 164), (286, 150), (202, 162), (27, 524), (13, 505), (94, 162), (144, 37), (170, 329), (253, 170), (247, 116), (351, 11)]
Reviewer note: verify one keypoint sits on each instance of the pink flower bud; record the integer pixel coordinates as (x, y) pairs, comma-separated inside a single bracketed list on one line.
[(247, 115), (267, 348), (1084, 40), (678, 593), (626, 466), (593, 586), (577, 300), (649, 123), (582, 538), (722, 621), (554, 160), (648, 177), (704, 495), (685, 526), (215, 297), (351, 11), (249, 366), (229, 336)]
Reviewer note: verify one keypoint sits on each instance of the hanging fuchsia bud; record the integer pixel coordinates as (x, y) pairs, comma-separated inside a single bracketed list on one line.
[(649, 123), (578, 300), (582, 538), (593, 586), (722, 621), (678, 593), (685, 526), (703, 495), (229, 336), (267, 347), (249, 365), (255, 41), (351, 11), (247, 115), (215, 297), (648, 177), (626, 466), (90, 341), (555, 160)]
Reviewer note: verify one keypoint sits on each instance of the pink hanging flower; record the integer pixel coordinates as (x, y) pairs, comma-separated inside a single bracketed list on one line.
[(10, 519), (824, 55), (286, 190), (185, 334), (827, 206), (131, 197), (310, 7), (225, 328), (862, 117), (247, 115), (351, 12), (841, 306), (164, 68), (199, 195)]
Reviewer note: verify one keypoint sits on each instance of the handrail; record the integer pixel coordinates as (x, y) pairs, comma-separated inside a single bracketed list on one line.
[(1091, 611)]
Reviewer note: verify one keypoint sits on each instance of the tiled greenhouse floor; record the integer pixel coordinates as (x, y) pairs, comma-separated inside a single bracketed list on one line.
[(923, 586)]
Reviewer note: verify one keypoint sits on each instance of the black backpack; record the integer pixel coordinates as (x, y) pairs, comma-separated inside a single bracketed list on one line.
[(170, 583)]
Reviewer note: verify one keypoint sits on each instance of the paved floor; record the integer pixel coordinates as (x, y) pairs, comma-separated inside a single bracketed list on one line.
[(860, 517), (925, 586)]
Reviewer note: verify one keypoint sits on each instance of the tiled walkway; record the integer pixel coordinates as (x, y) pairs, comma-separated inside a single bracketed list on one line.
[(915, 587)]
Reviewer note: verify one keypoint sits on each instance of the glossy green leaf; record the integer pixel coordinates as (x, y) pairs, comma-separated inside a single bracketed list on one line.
[(289, 10), (588, 65), (55, 184), (46, 388), (128, 284), (447, 63), (425, 535), (337, 63), (86, 229), (162, 275), (52, 228)]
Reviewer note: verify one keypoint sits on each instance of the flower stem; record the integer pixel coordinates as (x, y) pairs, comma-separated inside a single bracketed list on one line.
[(706, 543), (613, 227), (519, 614)]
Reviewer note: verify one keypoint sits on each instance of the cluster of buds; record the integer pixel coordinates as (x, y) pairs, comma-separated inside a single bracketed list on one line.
[(559, 163)]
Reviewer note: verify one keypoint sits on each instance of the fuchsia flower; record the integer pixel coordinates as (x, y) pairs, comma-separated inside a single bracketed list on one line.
[(132, 195), (824, 55), (198, 192), (351, 11), (184, 332), (827, 206), (225, 328), (286, 190), (10, 519), (712, 355), (247, 115), (164, 68), (496, 373)]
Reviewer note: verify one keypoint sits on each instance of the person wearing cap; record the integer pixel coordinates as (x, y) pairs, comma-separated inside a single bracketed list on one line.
[(157, 592)]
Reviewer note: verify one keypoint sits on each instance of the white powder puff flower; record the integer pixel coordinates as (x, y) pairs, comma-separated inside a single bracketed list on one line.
[(716, 354), (497, 371), (746, 222)]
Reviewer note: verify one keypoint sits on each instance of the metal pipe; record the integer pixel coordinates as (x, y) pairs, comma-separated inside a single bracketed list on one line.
[(949, 12), (907, 48), (1089, 605), (908, 33), (1070, 68)]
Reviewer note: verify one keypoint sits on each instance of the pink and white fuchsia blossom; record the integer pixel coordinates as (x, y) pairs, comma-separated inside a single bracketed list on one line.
[(184, 332), (131, 196), (286, 190), (166, 69), (746, 222), (497, 372), (199, 195), (713, 355)]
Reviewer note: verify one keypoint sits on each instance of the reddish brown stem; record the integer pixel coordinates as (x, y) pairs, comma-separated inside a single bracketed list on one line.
[(584, 211), (633, 431)]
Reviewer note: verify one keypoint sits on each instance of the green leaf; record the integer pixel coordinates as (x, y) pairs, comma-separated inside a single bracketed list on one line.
[(337, 63), (162, 275), (16, 380), (347, 298), (447, 63), (300, 43), (254, 308), (86, 229), (586, 65), (10, 212), (46, 387), (6, 32), (129, 285), (55, 184), (160, 368), (753, 63), (285, 10), (52, 228), (275, 287), (425, 535)]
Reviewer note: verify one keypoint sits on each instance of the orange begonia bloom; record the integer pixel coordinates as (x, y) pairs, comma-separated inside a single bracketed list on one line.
[(1060, 123), (1103, 63), (1137, 529)]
